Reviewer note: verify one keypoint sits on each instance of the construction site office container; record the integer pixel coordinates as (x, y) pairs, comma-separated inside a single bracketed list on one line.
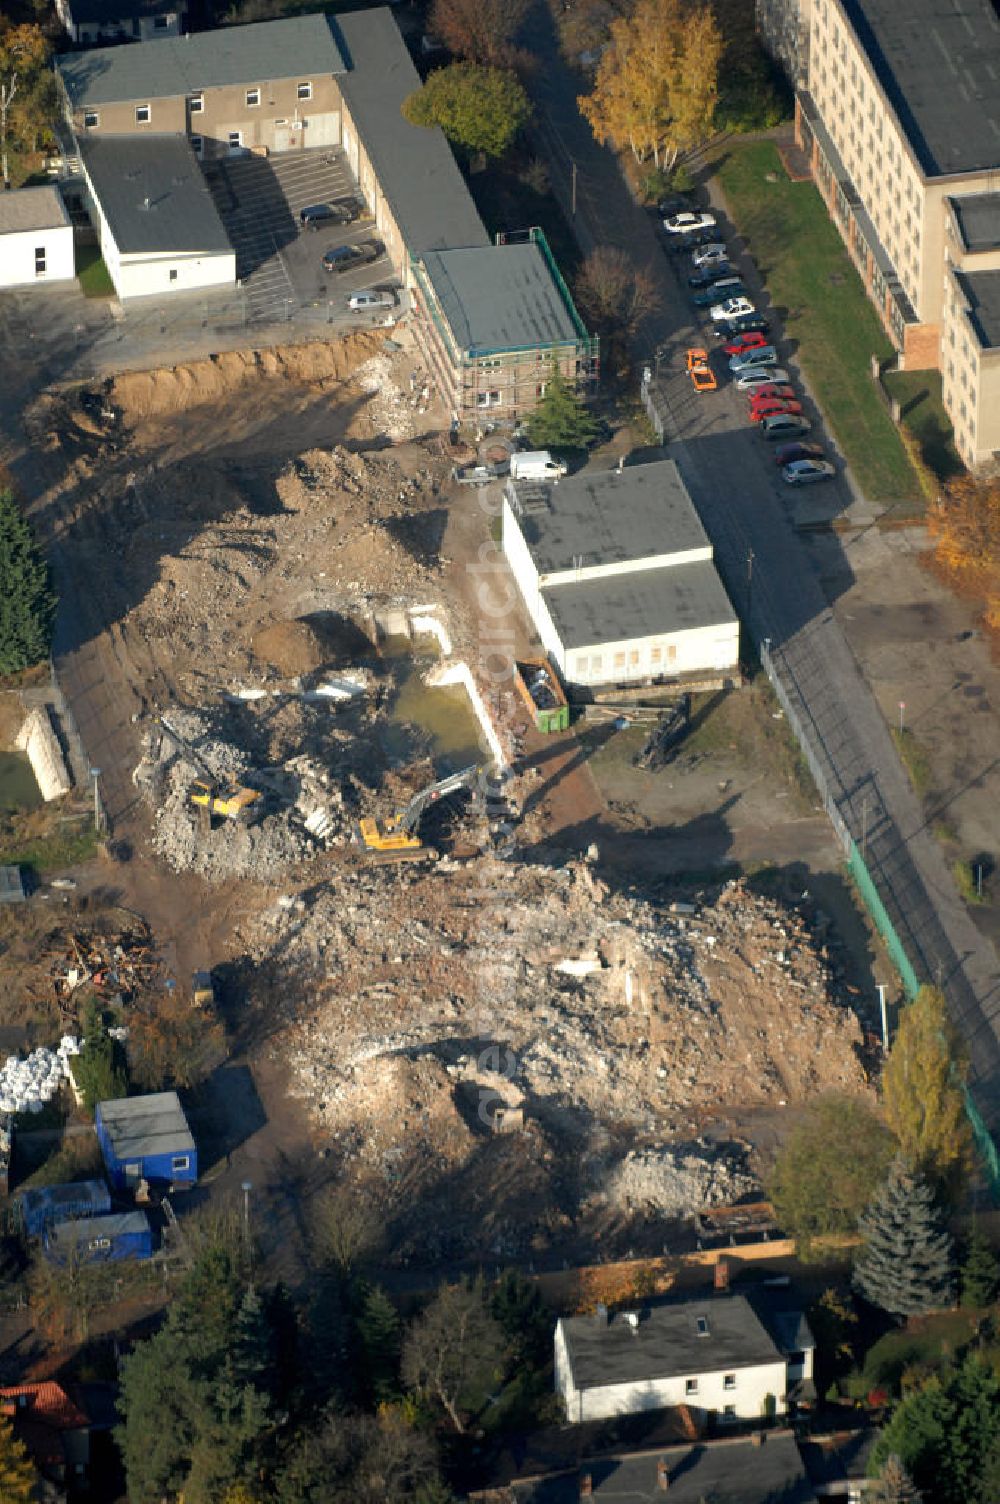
[(47, 1205), (100, 1240)]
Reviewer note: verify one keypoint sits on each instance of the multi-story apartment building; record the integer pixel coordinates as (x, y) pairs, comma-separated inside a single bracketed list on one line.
[(899, 112)]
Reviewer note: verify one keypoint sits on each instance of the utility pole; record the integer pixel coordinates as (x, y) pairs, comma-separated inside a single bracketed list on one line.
[(864, 836), (750, 559), (573, 188), (95, 774)]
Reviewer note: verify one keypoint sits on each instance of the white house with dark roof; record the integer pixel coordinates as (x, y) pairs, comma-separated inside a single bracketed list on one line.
[(91, 22), (36, 238), (717, 1357), (159, 229), (617, 575)]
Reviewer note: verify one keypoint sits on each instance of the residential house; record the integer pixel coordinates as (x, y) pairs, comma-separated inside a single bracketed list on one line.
[(617, 576), (899, 112), (717, 1357), (54, 1430), (146, 1139), (93, 22), (36, 238)]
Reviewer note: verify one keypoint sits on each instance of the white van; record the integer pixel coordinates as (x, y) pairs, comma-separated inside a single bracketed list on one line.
[(535, 464)]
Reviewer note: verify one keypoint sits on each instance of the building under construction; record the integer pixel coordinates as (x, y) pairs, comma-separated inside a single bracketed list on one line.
[(492, 322)]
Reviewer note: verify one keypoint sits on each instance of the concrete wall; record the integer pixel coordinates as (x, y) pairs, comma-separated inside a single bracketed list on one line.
[(151, 276), (18, 258), (664, 655), (38, 740)]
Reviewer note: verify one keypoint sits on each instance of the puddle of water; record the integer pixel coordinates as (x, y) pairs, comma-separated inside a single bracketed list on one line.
[(442, 714), (18, 789)]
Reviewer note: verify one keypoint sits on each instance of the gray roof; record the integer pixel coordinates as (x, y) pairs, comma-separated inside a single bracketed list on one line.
[(153, 194), (647, 603), (978, 217), (139, 1127), (414, 165), (939, 64), (607, 517), (73, 1193), (82, 1230), (725, 1472), (982, 293), (302, 47), (667, 1342), (38, 208), (500, 297)]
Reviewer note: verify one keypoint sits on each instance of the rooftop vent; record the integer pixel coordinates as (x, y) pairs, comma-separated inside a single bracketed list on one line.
[(702, 1326), (147, 202)]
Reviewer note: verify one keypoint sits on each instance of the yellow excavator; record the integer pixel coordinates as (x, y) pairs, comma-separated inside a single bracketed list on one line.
[(398, 838), (232, 801)]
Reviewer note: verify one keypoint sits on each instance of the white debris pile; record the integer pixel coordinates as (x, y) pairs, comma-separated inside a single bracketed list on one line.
[(682, 1179), (26, 1085), (390, 412)]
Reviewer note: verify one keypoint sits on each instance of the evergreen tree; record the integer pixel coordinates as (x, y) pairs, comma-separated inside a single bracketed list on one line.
[(906, 1263), (560, 419), (380, 1337), (17, 1472), (895, 1486), (27, 604), (518, 1306), (99, 1070), (980, 1271), (944, 1434)]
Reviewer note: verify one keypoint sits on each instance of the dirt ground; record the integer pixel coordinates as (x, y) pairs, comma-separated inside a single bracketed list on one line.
[(232, 526)]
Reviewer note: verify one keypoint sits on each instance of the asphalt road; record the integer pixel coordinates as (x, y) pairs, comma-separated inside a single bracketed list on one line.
[(750, 516)]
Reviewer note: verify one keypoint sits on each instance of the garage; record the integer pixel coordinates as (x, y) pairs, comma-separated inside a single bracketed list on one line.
[(322, 130)]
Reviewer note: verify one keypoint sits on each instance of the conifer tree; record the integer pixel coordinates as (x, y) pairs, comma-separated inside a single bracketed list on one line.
[(560, 420), (980, 1271), (27, 604), (895, 1486), (380, 1335), (906, 1264)]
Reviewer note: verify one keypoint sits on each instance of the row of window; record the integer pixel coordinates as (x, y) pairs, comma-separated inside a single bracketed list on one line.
[(196, 104), (728, 1382), (593, 665)]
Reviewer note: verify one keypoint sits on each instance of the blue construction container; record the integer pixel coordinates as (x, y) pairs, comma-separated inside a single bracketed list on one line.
[(146, 1138), (47, 1205), (99, 1240)]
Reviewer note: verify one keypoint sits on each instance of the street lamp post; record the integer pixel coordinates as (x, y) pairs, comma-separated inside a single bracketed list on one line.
[(95, 774)]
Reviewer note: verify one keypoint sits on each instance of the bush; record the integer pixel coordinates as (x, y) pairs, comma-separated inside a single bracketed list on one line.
[(27, 602)]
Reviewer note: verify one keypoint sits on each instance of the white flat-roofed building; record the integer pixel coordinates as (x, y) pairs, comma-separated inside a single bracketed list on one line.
[(36, 238)]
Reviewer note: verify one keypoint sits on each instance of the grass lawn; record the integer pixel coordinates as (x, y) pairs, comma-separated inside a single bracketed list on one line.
[(92, 274), (922, 411), (819, 298)]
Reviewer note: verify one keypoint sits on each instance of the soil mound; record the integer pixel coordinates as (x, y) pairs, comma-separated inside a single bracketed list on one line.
[(291, 648)]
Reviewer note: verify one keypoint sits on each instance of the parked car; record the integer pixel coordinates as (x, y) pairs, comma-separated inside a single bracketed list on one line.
[(789, 452), (691, 219), (729, 289), (360, 302), (714, 271), (750, 341), (730, 308), (769, 407), (748, 323), (760, 355), (805, 472), (707, 255), (772, 389), (754, 377), (701, 373), (343, 257), (315, 216), (783, 426), (675, 204)]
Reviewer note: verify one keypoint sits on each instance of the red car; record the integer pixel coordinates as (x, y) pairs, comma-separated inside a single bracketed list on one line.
[(751, 341), (772, 389), (770, 407)]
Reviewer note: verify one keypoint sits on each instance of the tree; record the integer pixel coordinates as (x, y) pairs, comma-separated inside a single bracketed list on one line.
[(828, 1169), (99, 1070), (833, 1322), (906, 1264), (944, 1433), (479, 31), (965, 526), (615, 295), (479, 109), (27, 604), (657, 81), (360, 1459), (18, 1478), (346, 1229), (23, 87), (517, 1306), (980, 1272), (174, 1044), (895, 1486), (560, 419), (922, 1090), (380, 1338), (452, 1351)]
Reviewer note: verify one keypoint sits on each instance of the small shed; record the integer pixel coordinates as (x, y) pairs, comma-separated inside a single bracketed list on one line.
[(45, 1206), (99, 1240), (146, 1138), (11, 885), (36, 238)]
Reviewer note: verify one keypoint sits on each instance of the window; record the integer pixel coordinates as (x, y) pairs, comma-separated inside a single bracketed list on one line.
[(619, 660), (196, 104), (487, 399), (304, 91), (160, 23), (173, 274), (655, 655), (235, 140), (253, 98), (595, 664), (690, 1386), (39, 261), (197, 145), (729, 1381), (701, 1325), (142, 114), (633, 658), (180, 1162), (729, 1412), (90, 119)]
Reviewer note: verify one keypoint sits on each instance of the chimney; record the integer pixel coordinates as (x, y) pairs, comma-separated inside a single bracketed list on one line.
[(601, 1314), (586, 1485), (662, 1476), (631, 1320), (722, 1274)]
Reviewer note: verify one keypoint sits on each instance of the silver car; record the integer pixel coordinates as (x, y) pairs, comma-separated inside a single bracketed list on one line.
[(754, 376), (805, 472)]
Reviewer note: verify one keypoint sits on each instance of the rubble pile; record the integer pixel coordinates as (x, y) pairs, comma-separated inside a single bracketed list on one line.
[(389, 411), (682, 1179)]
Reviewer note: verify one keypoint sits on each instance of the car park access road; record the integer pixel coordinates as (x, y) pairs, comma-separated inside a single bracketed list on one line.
[(750, 516)]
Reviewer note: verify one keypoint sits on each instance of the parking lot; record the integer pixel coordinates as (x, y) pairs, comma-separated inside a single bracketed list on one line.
[(279, 263)]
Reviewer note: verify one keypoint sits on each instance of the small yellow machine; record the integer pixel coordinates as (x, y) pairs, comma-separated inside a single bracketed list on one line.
[(397, 839)]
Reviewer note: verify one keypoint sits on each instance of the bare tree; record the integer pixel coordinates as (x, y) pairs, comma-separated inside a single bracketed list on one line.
[(615, 296), (453, 1351), (479, 31), (346, 1228)]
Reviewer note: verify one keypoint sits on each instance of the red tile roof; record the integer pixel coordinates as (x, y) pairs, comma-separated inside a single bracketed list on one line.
[(46, 1403)]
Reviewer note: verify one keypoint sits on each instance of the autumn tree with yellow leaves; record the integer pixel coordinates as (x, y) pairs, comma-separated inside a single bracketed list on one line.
[(17, 1472), (657, 82), (922, 1091), (965, 526)]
